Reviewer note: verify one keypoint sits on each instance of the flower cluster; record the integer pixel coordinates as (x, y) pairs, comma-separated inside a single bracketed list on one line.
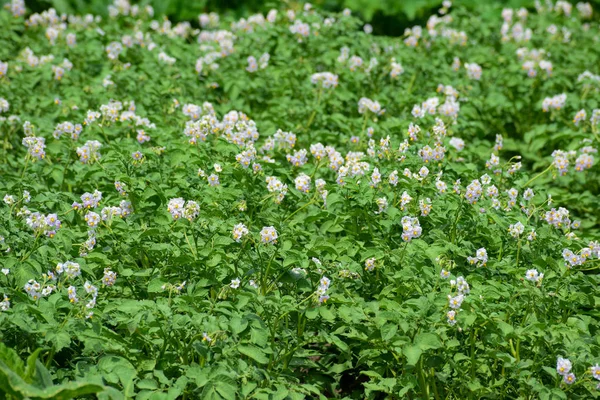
[(396, 69), (473, 71), (179, 208), (480, 259), (5, 303), (35, 146), (41, 224), (365, 104), (455, 301), (322, 289), (268, 235), (89, 153), (326, 80), (35, 291), (558, 218), (73, 130), (274, 185), (239, 231), (370, 264), (534, 276), (411, 229), (69, 269), (563, 367), (474, 191), (254, 65), (303, 183), (109, 278), (532, 60), (515, 230), (88, 200), (554, 103)]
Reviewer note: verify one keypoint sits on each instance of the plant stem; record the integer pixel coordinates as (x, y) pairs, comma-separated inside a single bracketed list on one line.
[(473, 334), (266, 273), (189, 244), (25, 166), (422, 382), (403, 252), (538, 175), (458, 212), (312, 201), (314, 113)]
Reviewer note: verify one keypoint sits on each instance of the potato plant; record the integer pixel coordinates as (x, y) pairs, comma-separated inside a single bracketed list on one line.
[(287, 206)]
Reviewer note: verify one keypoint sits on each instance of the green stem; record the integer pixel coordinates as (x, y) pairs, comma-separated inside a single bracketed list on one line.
[(25, 166), (422, 382), (403, 252), (312, 201), (189, 244), (314, 113), (263, 285), (50, 357), (412, 82), (33, 248), (433, 383), (6, 139), (473, 334), (458, 212), (538, 175)]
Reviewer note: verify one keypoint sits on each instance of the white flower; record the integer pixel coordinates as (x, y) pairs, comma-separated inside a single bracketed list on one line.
[(235, 283), (457, 143), (534, 276), (569, 379), (268, 234), (563, 366), (4, 304), (370, 264), (595, 370), (239, 231), (455, 302), (451, 315)]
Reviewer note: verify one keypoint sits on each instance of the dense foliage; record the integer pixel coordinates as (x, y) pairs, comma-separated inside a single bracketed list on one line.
[(386, 16), (287, 206)]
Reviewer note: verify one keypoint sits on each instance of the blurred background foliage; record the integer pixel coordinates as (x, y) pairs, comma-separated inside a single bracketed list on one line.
[(388, 17)]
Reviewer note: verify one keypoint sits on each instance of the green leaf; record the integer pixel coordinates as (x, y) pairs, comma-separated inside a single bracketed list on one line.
[(226, 390), (214, 261), (505, 328), (426, 341), (339, 343), (59, 339), (326, 313), (13, 384), (312, 313), (412, 353), (388, 331), (156, 285), (149, 384), (254, 353), (238, 324), (31, 366)]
